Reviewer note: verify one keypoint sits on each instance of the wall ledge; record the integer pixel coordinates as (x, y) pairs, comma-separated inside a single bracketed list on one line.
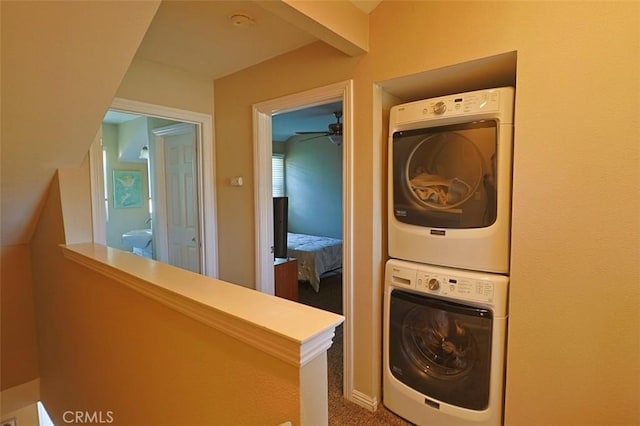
[(289, 331), (19, 396)]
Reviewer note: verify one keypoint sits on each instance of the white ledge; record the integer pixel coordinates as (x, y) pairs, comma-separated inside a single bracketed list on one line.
[(290, 331)]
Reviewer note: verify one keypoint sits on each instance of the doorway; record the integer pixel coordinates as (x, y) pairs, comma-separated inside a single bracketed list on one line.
[(262, 118), (176, 135)]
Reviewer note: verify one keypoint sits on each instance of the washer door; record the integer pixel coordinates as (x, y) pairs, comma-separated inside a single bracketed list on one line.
[(441, 349), (444, 177)]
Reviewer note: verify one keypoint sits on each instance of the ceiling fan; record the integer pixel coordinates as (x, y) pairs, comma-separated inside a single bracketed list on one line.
[(334, 134)]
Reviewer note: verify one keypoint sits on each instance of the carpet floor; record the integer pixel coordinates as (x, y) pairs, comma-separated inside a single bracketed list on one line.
[(341, 411)]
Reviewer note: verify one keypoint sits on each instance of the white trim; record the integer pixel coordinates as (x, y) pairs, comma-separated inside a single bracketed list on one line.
[(380, 129), (283, 347), (173, 130), (262, 148), (263, 198), (364, 400), (206, 170), (96, 173), (159, 222)]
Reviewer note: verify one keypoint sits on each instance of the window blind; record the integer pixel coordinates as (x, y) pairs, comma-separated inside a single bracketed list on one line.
[(277, 175)]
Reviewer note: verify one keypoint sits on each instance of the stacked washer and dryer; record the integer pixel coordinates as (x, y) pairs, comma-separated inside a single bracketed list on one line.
[(446, 284)]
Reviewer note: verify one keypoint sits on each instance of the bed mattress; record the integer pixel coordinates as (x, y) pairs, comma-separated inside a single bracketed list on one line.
[(316, 255)]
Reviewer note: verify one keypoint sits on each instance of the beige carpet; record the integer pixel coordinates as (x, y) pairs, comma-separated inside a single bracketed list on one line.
[(341, 411)]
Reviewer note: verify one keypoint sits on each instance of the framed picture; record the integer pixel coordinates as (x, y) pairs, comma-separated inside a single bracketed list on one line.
[(127, 189)]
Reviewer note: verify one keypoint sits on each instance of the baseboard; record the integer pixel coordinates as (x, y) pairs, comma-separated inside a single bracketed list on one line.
[(19, 396), (364, 401)]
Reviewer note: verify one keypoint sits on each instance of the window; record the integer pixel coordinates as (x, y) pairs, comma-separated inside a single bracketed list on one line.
[(277, 175), (105, 178)]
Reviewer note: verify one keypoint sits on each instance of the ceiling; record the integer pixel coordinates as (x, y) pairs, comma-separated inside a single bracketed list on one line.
[(201, 37), (218, 38), (312, 119), (115, 117)]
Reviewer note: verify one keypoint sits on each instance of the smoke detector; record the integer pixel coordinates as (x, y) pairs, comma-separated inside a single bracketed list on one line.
[(240, 20)]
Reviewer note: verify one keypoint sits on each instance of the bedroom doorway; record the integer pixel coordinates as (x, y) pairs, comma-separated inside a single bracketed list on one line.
[(262, 114)]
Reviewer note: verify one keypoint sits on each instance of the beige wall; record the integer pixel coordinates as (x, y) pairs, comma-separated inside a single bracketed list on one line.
[(19, 341), (234, 96), (77, 221), (158, 84), (576, 232), (55, 86), (106, 348), (61, 64)]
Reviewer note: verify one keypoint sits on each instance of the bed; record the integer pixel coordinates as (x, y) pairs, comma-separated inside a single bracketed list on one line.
[(316, 255)]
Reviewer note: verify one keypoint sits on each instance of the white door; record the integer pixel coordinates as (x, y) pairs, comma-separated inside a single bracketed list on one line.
[(182, 204)]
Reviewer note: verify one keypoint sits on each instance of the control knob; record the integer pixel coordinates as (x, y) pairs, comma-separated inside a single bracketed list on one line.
[(439, 108), (433, 284)]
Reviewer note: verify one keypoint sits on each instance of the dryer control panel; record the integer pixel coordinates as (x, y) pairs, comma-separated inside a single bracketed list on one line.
[(478, 102)]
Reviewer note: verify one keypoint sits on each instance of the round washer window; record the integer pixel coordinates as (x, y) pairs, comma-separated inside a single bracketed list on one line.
[(438, 343)]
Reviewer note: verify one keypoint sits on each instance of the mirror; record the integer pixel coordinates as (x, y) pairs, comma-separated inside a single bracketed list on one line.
[(151, 188)]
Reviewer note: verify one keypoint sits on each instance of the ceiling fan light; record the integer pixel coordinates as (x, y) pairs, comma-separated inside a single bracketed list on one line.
[(335, 128), (336, 139)]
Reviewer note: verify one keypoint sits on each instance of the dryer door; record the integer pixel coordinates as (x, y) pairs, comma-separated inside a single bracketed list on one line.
[(441, 349), (444, 177)]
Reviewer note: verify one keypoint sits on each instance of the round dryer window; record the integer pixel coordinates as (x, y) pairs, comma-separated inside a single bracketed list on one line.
[(438, 343), (444, 170)]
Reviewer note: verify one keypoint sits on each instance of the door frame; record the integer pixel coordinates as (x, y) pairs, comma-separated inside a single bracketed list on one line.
[(262, 151), (206, 172)]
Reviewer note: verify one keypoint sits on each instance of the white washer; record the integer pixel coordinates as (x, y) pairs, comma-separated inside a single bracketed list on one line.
[(450, 161), (445, 334)]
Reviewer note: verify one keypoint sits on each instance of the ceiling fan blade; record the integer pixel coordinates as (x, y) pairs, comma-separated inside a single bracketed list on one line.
[(334, 128), (323, 135)]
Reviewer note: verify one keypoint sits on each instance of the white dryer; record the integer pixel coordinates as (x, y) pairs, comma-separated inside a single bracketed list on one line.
[(450, 162), (444, 344)]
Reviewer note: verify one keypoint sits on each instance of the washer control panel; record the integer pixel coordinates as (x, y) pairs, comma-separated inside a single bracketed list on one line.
[(447, 283), (452, 286)]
